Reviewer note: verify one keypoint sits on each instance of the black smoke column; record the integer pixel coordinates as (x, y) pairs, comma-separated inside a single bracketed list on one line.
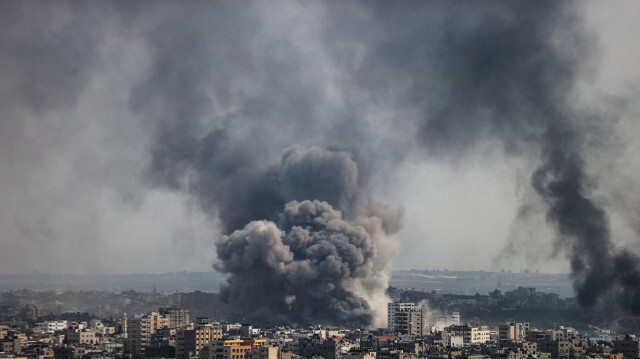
[(508, 70)]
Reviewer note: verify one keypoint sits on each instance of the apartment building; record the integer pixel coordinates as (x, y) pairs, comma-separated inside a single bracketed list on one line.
[(267, 352), (409, 321), (470, 334), (177, 317), (80, 336), (140, 329), (513, 331), (394, 307), (194, 342), (49, 327), (233, 348)]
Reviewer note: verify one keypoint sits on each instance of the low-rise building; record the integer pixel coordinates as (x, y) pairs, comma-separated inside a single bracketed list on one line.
[(52, 326), (80, 336), (470, 334), (233, 348)]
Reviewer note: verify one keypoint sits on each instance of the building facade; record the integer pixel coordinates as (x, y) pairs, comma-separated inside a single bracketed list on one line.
[(139, 331), (233, 348), (394, 307), (409, 321), (194, 342), (470, 334)]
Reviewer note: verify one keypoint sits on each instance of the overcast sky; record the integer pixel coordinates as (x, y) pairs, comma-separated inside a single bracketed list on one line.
[(123, 126)]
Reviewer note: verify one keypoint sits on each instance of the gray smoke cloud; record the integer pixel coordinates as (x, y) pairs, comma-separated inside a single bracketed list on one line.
[(323, 260), (219, 161), (510, 72), (311, 267), (116, 116)]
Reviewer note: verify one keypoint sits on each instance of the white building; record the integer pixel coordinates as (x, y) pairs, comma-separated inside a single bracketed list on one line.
[(455, 341), (49, 327), (469, 334)]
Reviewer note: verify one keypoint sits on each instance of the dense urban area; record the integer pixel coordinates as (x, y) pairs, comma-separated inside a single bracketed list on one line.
[(519, 323)]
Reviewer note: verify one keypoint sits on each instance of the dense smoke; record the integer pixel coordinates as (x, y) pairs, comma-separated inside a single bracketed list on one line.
[(325, 261), (469, 74), (599, 270), (312, 267), (321, 261), (510, 72), (282, 122)]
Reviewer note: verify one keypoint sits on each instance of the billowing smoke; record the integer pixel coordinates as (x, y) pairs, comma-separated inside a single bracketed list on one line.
[(325, 260), (320, 258), (599, 270), (469, 74), (282, 121), (510, 72), (311, 267)]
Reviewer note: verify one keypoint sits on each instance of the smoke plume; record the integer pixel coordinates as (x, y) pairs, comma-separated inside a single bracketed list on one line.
[(322, 258), (311, 267), (511, 73), (275, 125), (325, 260), (470, 74)]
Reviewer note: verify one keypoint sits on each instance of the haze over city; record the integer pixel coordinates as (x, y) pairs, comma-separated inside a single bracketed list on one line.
[(152, 137)]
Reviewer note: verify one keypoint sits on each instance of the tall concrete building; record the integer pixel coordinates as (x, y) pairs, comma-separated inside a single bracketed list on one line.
[(409, 321), (140, 330), (177, 317), (194, 342), (405, 318), (394, 307), (513, 331)]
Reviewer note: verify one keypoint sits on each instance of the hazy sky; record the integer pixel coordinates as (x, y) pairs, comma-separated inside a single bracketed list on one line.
[(129, 131)]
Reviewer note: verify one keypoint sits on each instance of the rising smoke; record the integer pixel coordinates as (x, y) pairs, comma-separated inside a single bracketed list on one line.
[(510, 73), (470, 74), (312, 267), (325, 260), (276, 120), (321, 258)]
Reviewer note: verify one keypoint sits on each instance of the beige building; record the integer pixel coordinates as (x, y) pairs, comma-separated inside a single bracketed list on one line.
[(194, 342), (10, 345), (80, 336), (139, 330), (513, 331), (408, 321), (469, 334), (4, 331), (177, 317), (233, 348)]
